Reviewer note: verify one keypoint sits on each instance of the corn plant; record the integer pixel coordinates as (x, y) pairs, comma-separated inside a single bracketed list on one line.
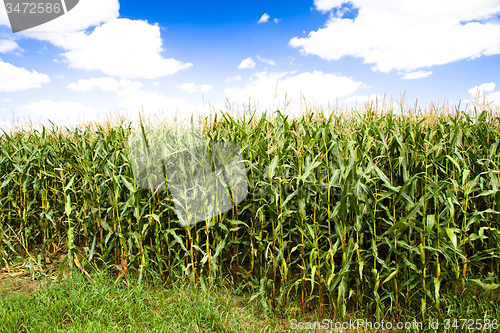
[(364, 211)]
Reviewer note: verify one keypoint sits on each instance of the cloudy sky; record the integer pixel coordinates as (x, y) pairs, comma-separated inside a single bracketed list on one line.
[(179, 57)]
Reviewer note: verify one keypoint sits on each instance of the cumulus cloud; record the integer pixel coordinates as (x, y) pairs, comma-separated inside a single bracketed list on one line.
[(270, 62), (106, 84), (269, 88), (193, 87), (247, 63), (125, 48), (415, 75), (326, 5), (13, 78), (121, 47), (86, 14), (7, 45), (480, 91), (264, 18), (129, 84), (485, 87), (276, 20), (234, 78), (405, 35), (494, 98), (85, 85), (4, 19)]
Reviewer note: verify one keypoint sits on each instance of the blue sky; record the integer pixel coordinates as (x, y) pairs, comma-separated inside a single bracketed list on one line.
[(180, 57)]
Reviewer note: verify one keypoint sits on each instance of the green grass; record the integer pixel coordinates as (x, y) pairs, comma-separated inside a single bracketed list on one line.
[(102, 305), (79, 305)]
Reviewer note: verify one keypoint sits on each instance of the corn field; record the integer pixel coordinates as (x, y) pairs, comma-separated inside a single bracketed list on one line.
[(370, 211)]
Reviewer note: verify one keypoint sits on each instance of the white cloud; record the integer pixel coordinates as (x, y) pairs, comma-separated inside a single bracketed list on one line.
[(130, 85), (4, 19), (13, 78), (264, 18), (61, 111), (7, 45), (117, 47), (405, 35), (269, 88), (247, 63), (82, 86), (153, 104), (482, 88), (120, 47), (85, 14), (270, 62), (326, 5), (494, 98), (105, 84), (5, 100), (481, 98), (234, 78), (193, 87), (276, 20), (415, 75)]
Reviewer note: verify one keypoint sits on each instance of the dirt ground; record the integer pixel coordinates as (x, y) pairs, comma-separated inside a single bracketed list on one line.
[(17, 283)]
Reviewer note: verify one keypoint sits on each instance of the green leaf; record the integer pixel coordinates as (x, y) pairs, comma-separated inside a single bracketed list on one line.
[(128, 184), (486, 286), (272, 167), (393, 274), (430, 223), (67, 207), (313, 274), (69, 184), (451, 235)]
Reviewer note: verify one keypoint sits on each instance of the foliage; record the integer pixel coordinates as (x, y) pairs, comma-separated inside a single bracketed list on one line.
[(373, 212)]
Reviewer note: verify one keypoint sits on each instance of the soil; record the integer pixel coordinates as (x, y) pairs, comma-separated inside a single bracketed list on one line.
[(17, 283)]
